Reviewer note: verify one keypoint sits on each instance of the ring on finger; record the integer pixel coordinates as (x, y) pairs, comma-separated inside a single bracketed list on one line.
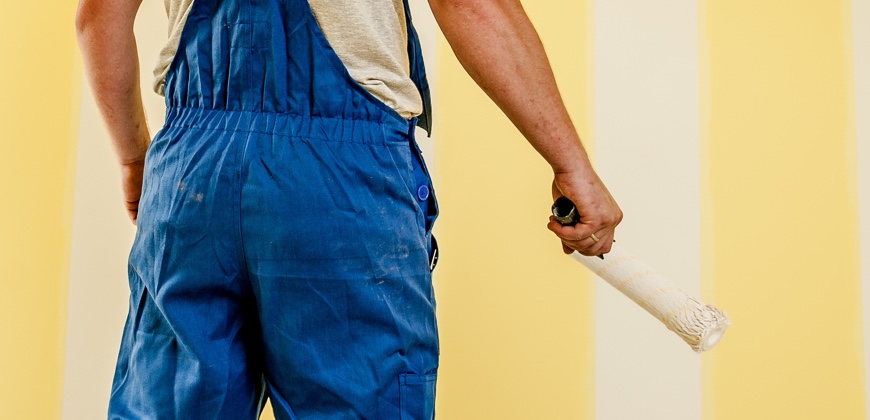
[(594, 238)]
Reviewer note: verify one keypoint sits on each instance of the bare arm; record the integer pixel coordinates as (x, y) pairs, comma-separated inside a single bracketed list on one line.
[(499, 48), (105, 35)]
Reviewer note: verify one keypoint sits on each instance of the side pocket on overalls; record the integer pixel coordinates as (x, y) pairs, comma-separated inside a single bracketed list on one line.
[(417, 396)]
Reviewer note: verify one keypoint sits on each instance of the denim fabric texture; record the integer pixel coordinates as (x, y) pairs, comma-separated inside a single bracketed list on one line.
[(283, 246)]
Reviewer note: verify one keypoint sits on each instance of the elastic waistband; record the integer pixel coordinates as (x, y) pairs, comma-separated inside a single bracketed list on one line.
[(292, 125)]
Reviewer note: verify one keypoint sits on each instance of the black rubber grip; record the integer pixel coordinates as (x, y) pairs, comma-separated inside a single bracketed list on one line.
[(565, 212)]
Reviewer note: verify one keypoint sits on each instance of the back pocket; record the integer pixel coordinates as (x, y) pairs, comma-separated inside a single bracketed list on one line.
[(417, 396)]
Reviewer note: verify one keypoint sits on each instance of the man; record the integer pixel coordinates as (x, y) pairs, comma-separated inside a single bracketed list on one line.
[(284, 244)]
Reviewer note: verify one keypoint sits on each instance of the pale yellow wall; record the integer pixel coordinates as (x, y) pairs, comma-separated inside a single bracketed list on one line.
[(780, 215), (861, 73), (515, 314), (37, 115)]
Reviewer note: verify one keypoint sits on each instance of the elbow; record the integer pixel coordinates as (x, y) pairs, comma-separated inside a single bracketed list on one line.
[(86, 16), (101, 15)]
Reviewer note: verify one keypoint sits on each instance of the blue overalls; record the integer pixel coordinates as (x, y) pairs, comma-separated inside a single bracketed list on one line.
[(284, 237)]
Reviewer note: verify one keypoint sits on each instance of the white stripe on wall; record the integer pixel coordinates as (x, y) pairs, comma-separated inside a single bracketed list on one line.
[(98, 286), (861, 54), (647, 152)]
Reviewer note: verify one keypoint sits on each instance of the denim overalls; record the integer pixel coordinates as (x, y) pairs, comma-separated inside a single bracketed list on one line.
[(284, 236)]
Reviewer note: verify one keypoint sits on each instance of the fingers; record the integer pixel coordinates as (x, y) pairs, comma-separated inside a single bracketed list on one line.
[(598, 212), (579, 237), (131, 186), (133, 215), (132, 208), (605, 242)]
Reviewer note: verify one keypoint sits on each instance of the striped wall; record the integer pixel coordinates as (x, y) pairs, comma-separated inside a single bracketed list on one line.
[(861, 74), (734, 134)]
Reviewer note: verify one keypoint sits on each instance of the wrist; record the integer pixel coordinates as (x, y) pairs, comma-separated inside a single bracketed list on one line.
[(134, 154), (576, 165), (131, 160), (565, 154), (576, 179)]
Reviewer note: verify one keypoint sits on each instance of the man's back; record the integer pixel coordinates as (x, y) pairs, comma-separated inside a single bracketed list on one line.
[(370, 37)]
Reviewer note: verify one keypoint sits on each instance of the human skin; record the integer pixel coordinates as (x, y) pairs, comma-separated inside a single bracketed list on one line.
[(105, 36), (494, 41)]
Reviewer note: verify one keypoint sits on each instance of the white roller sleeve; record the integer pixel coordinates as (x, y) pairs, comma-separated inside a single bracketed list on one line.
[(698, 324)]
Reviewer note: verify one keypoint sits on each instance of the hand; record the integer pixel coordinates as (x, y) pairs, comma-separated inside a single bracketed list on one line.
[(598, 211), (131, 185)]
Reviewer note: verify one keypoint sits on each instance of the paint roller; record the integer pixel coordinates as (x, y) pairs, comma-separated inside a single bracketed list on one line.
[(700, 325)]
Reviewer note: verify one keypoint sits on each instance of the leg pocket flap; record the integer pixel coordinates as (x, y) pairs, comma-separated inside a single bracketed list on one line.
[(417, 396)]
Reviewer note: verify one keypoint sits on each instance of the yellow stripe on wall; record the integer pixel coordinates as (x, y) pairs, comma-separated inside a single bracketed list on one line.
[(515, 314), (37, 112), (861, 72), (779, 215)]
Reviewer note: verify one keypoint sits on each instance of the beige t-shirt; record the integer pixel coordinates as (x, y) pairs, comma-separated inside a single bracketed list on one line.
[(370, 37)]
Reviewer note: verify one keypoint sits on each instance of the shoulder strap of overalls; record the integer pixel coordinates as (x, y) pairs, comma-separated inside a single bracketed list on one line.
[(418, 72)]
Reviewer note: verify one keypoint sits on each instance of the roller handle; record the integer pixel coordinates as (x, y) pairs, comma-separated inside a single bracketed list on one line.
[(566, 214)]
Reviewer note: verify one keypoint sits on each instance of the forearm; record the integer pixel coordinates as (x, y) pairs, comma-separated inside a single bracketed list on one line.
[(497, 45), (105, 35)]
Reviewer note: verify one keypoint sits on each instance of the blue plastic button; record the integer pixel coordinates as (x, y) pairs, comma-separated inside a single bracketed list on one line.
[(423, 192)]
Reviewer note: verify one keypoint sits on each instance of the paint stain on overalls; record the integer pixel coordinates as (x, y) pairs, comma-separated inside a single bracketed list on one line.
[(284, 237)]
